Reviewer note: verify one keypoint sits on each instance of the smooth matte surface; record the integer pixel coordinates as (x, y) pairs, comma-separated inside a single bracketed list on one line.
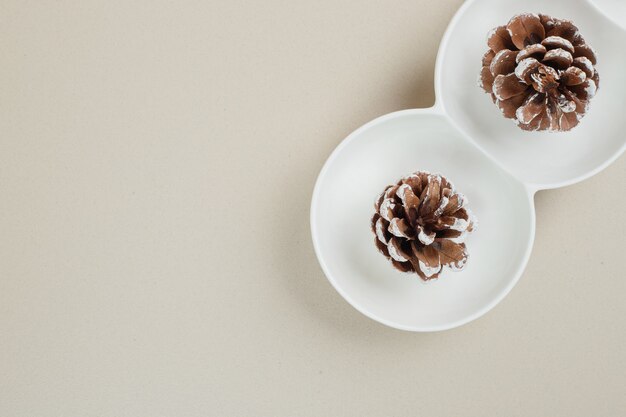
[(156, 166), (612, 9)]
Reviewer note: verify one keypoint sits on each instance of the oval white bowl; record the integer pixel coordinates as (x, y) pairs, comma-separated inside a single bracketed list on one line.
[(489, 159)]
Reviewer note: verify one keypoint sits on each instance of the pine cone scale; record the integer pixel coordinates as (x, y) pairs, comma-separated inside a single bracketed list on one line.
[(554, 42), (503, 62), (526, 31), (428, 260), (499, 39), (536, 51)]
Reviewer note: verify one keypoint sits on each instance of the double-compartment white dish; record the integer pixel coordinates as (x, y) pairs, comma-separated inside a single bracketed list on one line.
[(495, 164)]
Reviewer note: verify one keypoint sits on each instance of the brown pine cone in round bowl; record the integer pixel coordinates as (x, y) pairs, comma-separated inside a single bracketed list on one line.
[(421, 223), (540, 72)]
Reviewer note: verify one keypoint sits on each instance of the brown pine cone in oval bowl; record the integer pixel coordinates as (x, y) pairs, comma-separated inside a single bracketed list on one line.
[(540, 72), (421, 223)]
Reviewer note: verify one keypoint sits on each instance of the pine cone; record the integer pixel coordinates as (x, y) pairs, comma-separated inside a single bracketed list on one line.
[(421, 223), (540, 72)]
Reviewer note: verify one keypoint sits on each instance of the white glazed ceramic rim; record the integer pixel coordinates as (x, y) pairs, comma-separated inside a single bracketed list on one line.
[(439, 110)]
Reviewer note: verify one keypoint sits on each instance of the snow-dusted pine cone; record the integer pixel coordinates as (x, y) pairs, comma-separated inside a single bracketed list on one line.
[(421, 223), (540, 72)]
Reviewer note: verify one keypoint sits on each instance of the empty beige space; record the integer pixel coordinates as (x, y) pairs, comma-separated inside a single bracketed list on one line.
[(157, 160)]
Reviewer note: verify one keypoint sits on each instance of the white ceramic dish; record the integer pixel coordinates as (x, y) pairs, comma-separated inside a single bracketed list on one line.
[(495, 164)]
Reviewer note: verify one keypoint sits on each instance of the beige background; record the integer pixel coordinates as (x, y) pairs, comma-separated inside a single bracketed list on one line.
[(156, 164)]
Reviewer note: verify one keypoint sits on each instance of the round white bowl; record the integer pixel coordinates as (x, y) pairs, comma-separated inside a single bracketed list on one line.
[(541, 159)]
